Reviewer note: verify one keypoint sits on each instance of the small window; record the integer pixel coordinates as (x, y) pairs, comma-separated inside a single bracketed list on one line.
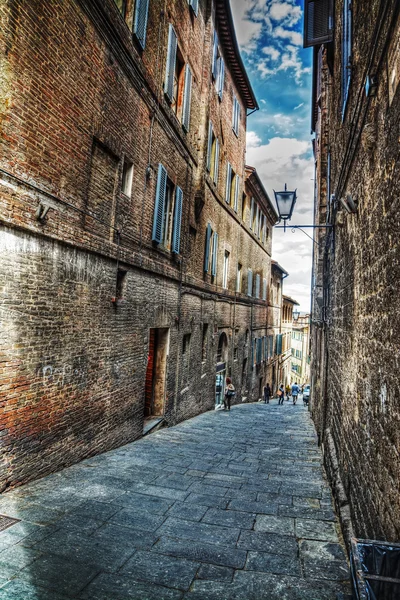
[(235, 353), (218, 67), (235, 115), (213, 154), (239, 279), (121, 283), (127, 177), (244, 206), (186, 343), (194, 4), (225, 273)]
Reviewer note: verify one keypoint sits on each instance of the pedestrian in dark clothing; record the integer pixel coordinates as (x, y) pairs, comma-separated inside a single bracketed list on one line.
[(267, 393), (281, 394), (229, 393)]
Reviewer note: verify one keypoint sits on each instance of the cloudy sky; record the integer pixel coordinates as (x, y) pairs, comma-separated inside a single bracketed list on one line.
[(278, 135)]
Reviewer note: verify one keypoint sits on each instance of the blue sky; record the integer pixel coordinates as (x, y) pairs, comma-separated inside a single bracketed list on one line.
[(270, 36)]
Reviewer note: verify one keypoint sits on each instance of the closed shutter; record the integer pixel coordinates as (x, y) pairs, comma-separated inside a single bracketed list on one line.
[(195, 6), (170, 68), (264, 293), (176, 234), (318, 22), (251, 214), (279, 344), (256, 228), (271, 346), (214, 255), (207, 250), (221, 75), (235, 204), (249, 282), (214, 66), (228, 183), (140, 22), (252, 352), (257, 285), (187, 96), (265, 348), (216, 161), (158, 221), (346, 54), (237, 117), (209, 145)]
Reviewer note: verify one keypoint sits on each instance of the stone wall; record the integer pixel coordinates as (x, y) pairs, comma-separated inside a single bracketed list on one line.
[(356, 351)]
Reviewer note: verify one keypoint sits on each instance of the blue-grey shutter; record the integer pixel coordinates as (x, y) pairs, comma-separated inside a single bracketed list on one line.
[(209, 145), (259, 350), (346, 54), (235, 202), (216, 161), (265, 349), (233, 112), (176, 234), (318, 22), (221, 75), (252, 352), (187, 96), (249, 282), (264, 294), (252, 213), (158, 221), (228, 183), (171, 61), (140, 22), (214, 67), (257, 285), (271, 346), (207, 252), (195, 6), (214, 255)]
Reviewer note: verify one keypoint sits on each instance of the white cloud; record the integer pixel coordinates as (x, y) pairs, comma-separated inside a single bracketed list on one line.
[(272, 52), (299, 106), (252, 139), (294, 36), (282, 11)]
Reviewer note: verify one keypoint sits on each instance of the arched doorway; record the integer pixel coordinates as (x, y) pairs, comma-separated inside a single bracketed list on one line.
[(222, 354)]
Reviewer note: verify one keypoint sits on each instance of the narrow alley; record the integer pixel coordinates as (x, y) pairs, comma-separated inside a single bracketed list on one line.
[(227, 505)]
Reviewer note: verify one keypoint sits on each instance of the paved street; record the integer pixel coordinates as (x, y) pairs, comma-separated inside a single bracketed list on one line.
[(228, 506)]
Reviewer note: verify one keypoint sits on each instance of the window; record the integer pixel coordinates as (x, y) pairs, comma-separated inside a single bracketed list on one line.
[(194, 4), (249, 282), (127, 176), (212, 154), (244, 206), (346, 54), (279, 344), (235, 353), (235, 115), (318, 22), (185, 359), (264, 289), (167, 212), (225, 273), (121, 7), (121, 283), (178, 81), (204, 342), (217, 67), (259, 351), (232, 187), (211, 251), (140, 21), (257, 294), (239, 279)]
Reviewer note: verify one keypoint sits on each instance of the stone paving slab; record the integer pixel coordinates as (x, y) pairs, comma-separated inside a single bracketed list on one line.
[(230, 506)]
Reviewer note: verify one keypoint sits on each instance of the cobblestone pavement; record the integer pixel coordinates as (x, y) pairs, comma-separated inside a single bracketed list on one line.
[(228, 506)]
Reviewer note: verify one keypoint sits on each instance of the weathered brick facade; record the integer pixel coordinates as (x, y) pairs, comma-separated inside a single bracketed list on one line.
[(111, 313), (355, 331)]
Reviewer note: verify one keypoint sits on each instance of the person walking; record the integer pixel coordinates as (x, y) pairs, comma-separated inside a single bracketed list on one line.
[(288, 392), (295, 392), (229, 393), (281, 394), (267, 393)]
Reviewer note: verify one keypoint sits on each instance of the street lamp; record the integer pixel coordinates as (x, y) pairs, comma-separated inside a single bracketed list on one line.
[(296, 315), (285, 202)]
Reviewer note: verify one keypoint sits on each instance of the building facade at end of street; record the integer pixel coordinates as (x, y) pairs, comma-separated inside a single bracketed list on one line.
[(135, 242), (355, 393)]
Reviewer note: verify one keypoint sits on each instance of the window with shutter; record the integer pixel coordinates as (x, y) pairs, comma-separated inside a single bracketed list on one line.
[(265, 350), (195, 6), (346, 54), (214, 66), (228, 183), (257, 286), (214, 255), (249, 282), (187, 98), (264, 293), (236, 200), (176, 234), (235, 115), (220, 76), (216, 162), (207, 249), (158, 222), (140, 21), (251, 213), (171, 63), (209, 145), (318, 22)]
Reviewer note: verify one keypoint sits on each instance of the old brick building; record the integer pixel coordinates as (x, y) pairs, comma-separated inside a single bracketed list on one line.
[(355, 318), (135, 245)]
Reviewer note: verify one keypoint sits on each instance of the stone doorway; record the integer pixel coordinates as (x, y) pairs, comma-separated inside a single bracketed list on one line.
[(156, 373)]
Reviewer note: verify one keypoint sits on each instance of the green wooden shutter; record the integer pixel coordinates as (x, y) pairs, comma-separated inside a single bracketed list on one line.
[(171, 61), (228, 183), (207, 250), (140, 22), (318, 22), (187, 96), (176, 234), (216, 161), (161, 189), (209, 145), (214, 255), (249, 282)]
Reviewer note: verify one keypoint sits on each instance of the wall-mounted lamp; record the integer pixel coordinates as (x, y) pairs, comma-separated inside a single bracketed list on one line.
[(285, 202), (42, 211), (349, 204)]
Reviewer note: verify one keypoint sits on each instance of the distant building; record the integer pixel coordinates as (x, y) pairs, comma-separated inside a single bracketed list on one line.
[(300, 361), (285, 365)]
